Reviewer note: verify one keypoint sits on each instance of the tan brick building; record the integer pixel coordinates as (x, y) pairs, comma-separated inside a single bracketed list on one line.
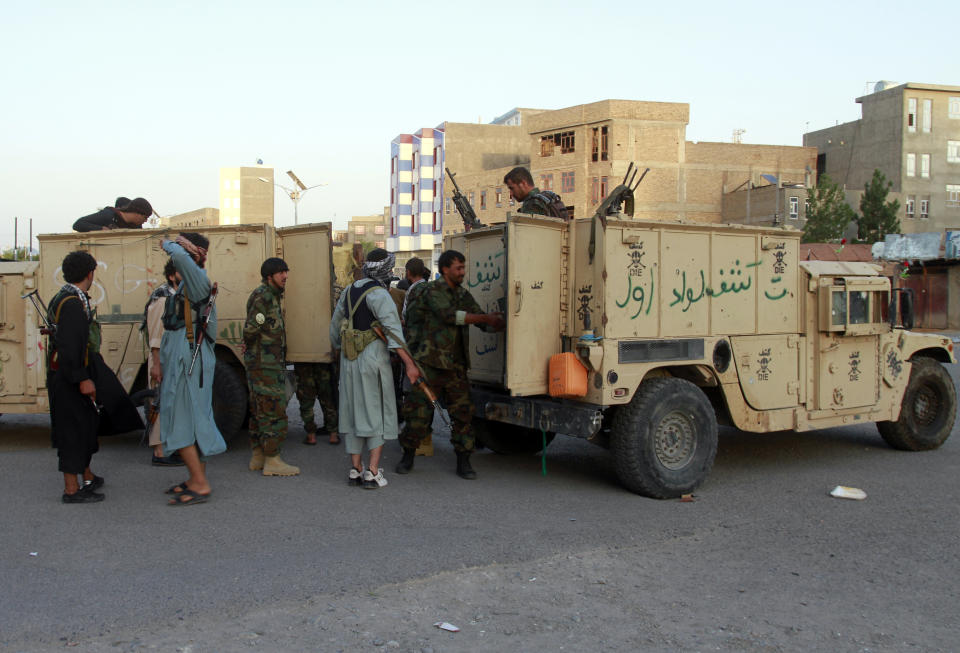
[(244, 198), (911, 133), (583, 152)]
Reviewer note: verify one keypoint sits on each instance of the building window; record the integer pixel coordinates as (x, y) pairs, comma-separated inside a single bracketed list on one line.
[(360, 230), (436, 224), (794, 207), (566, 142), (378, 229), (567, 182), (926, 118), (912, 114), (603, 143), (236, 202), (911, 165), (546, 146), (909, 206), (413, 160), (499, 196), (925, 166), (953, 196), (447, 209), (226, 184), (546, 183), (603, 186), (953, 108), (595, 147), (483, 200), (594, 189), (953, 151), (924, 209)]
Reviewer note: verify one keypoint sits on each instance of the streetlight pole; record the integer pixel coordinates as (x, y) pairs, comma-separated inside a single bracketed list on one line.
[(295, 194)]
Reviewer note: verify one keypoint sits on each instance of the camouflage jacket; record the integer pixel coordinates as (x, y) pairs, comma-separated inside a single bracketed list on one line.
[(533, 204), (437, 335), (264, 332)]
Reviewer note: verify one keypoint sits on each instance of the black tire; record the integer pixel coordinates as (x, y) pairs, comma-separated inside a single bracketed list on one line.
[(664, 441), (508, 439), (229, 399), (927, 411), (140, 397)]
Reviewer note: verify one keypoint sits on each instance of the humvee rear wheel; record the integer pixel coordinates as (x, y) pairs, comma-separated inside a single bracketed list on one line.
[(664, 441), (505, 438), (927, 411), (229, 399)]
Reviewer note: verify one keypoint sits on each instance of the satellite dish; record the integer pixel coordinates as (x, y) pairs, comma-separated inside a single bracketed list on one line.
[(259, 162)]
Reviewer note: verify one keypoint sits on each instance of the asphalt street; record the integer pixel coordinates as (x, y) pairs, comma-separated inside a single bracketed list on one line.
[(762, 560)]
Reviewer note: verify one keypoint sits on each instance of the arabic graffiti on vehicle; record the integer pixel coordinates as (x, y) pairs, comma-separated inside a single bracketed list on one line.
[(639, 295), (584, 297), (231, 332), (763, 374), (635, 264), (485, 272), (779, 267)]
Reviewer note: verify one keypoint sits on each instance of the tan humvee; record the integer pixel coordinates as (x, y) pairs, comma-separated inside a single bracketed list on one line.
[(130, 265), (681, 326)]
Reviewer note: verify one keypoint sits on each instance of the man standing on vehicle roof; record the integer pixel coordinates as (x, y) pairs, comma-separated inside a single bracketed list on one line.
[(130, 216), (532, 199), (438, 323), (186, 420), (264, 356)]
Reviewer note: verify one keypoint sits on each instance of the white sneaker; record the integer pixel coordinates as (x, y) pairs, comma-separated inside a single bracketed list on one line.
[(371, 482), (355, 477)]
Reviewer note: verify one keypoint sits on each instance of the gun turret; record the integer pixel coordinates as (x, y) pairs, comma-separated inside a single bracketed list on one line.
[(466, 211)]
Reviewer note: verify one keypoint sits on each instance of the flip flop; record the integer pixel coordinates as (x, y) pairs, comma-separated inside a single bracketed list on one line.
[(188, 497), (179, 488), (308, 443)]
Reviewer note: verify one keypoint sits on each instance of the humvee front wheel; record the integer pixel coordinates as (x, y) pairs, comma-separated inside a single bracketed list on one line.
[(229, 399), (927, 411), (664, 441)]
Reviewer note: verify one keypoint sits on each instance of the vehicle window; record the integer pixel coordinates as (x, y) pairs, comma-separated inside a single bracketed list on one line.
[(859, 307), (838, 310)]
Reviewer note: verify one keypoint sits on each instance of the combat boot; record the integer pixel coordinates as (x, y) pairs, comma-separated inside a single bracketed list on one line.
[(256, 459), (274, 466), (406, 463), (464, 469)]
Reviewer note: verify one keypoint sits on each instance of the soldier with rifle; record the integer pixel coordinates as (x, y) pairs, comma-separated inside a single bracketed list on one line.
[(188, 360)]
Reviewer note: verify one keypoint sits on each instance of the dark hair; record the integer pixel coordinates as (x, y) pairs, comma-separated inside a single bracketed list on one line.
[(138, 205), (121, 202), (169, 270), (271, 266), (416, 267), (518, 175), (198, 240), (77, 265), (448, 257), (377, 254)]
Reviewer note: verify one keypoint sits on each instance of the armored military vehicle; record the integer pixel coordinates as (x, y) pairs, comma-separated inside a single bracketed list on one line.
[(673, 328), (130, 265)]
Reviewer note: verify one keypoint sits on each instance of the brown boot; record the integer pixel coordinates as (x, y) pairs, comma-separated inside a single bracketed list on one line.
[(274, 466), (256, 459)]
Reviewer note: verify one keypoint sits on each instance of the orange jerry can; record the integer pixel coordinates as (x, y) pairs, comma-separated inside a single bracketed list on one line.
[(568, 376)]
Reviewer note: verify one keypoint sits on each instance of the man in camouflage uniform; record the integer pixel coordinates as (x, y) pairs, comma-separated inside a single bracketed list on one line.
[(264, 356), (438, 325), (318, 381), (532, 199)]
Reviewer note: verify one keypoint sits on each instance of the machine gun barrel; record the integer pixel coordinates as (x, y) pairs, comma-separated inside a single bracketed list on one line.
[(466, 211)]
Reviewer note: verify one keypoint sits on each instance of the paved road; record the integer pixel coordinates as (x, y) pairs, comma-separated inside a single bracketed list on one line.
[(763, 560)]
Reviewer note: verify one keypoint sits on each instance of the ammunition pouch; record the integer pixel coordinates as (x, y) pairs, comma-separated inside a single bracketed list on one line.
[(353, 341)]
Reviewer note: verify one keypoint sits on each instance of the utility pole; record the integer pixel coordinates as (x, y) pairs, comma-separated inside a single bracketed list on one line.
[(15, 238)]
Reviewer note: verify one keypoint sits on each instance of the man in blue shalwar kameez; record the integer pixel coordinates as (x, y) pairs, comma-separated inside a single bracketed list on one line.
[(186, 421)]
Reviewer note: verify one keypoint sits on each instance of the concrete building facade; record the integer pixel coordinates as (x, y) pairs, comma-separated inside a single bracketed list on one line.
[(582, 153), (244, 198), (911, 133), (205, 217)]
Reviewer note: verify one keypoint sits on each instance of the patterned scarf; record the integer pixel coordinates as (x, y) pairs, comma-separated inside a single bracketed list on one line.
[(84, 297), (380, 271)]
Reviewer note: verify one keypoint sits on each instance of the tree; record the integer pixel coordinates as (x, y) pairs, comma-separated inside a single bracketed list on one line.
[(21, 254), (878, 216), (828, 214)]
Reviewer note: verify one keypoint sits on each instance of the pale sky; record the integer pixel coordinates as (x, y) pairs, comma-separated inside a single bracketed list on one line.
[(101, 99)]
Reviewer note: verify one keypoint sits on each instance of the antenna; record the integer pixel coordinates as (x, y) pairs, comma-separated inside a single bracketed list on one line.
[(738, 135)]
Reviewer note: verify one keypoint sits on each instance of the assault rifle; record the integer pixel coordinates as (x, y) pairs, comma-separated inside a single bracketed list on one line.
[(202, 331), (463, 206)]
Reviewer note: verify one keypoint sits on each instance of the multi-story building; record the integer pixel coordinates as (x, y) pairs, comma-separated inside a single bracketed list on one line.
[(197, 218), (368, 229), (911, 133), (246, 195), (582, 153)]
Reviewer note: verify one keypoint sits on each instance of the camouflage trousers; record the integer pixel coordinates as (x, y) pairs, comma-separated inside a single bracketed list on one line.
[(268, 408), (453, 390), (317, 381)]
